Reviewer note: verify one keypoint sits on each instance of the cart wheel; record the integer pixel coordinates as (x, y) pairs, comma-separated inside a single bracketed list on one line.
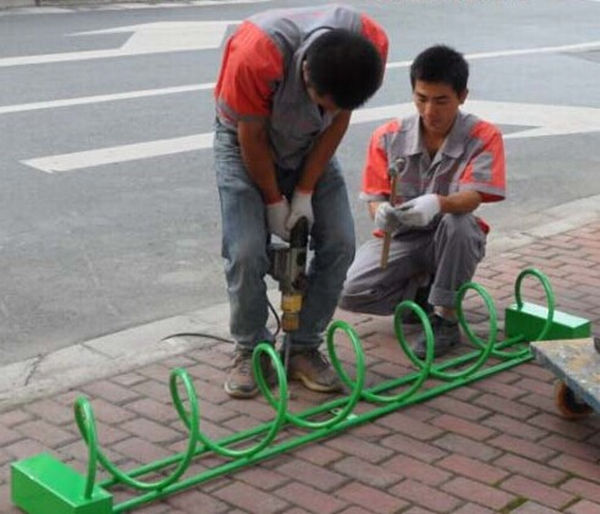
[(568, 404)]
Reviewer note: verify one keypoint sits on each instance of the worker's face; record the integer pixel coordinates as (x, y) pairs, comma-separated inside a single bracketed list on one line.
[(438, 105), (324, 101)]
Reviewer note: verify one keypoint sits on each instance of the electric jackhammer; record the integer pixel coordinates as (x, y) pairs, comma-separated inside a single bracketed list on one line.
[(288, 267)]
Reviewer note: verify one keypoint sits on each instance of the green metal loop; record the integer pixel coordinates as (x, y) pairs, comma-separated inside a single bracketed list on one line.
[(424, 366), (186, 457), (84, 416), (356, 386), (280, 406), (486, 348), (550, 299)]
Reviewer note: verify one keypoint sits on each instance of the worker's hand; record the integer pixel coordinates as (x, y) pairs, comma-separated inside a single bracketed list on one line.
[(420, 211), (386, 217), (301, 207), (277, 214)]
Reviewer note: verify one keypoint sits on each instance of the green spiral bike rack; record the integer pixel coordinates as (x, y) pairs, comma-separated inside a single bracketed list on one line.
[(42, 484)]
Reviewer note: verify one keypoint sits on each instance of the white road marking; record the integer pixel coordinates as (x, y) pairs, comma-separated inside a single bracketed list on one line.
[(82, 100), (123, 153), (122, 7), (160, 37), (547, 120), (150, 38), (209, 85)]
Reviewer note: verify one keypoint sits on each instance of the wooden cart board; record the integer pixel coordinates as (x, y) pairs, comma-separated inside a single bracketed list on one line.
[(576, 363)]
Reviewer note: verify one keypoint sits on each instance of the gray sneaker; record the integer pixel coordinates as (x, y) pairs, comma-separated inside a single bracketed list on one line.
[(313, 370), (410, 317), (446, 334), (240, 382)]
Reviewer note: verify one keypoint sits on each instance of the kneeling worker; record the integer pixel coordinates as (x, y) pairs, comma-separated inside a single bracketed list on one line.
[(446, 164)]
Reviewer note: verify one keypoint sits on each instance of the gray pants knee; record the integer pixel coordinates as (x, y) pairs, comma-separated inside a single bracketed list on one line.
[(449, 252)]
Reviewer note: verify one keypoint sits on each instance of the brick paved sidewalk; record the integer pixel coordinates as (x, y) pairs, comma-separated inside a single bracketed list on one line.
[(496, 445)]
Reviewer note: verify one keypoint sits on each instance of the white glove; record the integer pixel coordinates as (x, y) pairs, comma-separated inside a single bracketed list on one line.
[(301, 207), (386, 218), (277, 214), (420, 211)]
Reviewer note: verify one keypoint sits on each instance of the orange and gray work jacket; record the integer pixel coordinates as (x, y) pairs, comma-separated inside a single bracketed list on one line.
[(470, 159), (261, 74)]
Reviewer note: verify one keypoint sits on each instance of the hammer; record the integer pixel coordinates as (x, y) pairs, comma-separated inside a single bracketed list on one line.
[(394, 171)]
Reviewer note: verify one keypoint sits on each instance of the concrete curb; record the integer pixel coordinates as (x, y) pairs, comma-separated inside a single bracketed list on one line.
[(44, 375), (564, 217)]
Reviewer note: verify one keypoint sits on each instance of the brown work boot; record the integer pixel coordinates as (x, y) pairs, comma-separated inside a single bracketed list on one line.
[(313, 370), (240, 381)]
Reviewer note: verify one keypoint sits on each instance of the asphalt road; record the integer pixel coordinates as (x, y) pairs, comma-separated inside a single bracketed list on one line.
[(108, 208)]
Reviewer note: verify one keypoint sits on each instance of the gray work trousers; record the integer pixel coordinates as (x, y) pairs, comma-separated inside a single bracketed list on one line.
[(449, 253), (244, 246)]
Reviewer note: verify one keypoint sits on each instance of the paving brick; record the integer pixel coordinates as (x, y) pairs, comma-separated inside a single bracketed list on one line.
[(369, 474), (318, 454), (454, 443), (8, 435), (533, 490), (363, 449), (311, 474), (463, 427), (354, 510), (110, 413), (583, 488), (536, 386), (530, 469), (413, 448), (157, 411), (512, 426), (472, 508), (14, 417), (416, 470), (261, 477), (25, 448), (250, 499), (533, 508), (140, 450), (536, 371), (151, 431), (505, 406), (504, 390), (577, 449), (584, 468), (457, 408), (46, 433), (584, 507), (476, 492), (52, 411), (110, 391), (407, 425), (371, 498), (196, 501), (472, 468), (154, 389), (522, 447), (425, 496), (310, 499)]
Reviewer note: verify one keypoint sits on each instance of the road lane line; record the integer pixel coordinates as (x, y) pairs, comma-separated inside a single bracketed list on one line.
[(50, 104), (82, 100), (111, 155), (541, 120), (120, 52)]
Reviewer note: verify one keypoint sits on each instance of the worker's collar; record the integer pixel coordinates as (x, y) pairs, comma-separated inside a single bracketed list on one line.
[(453, 146)]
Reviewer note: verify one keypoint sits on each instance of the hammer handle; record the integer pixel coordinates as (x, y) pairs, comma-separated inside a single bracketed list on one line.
[(387, 238)]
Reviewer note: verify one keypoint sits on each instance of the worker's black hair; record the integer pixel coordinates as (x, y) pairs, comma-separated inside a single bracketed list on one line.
[(345, 66), (443, 64)]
